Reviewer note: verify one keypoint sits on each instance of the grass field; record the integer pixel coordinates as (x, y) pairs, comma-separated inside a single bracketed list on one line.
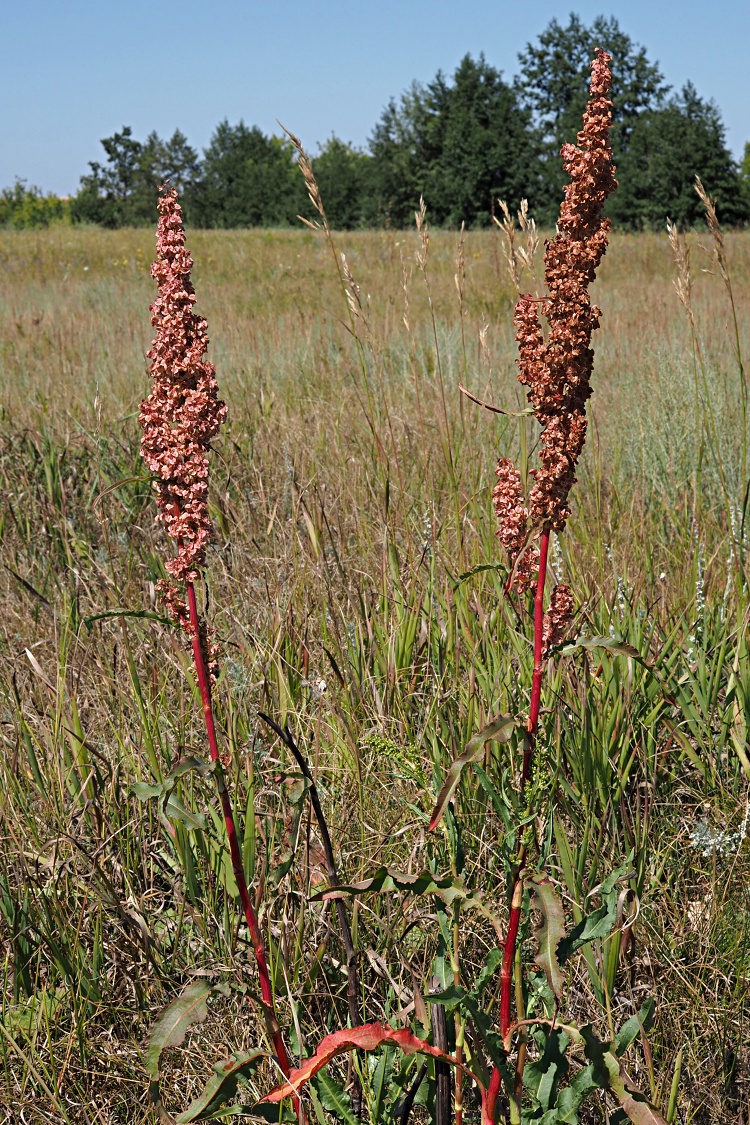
[(351, 490)]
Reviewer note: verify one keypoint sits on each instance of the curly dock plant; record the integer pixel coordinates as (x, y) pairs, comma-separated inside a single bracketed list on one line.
[(179, 418), (557, 372), (524, 1087)]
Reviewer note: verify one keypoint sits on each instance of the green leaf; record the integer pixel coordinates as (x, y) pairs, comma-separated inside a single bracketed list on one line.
[(175, 810), (273, 1114), (222, 1086), (478, 570), (600, 922), (334, 1098), (611, 644), (499, 729), (487, 972), (542, 1076), (632, 1028), (569, 1099), (145, 792), (189, 764), (89, 621), (187, 1009), (381, 1081), (551, 931), (609, 1074)]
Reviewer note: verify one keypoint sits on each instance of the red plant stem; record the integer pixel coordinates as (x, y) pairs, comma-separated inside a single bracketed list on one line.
[(509, 955), (514, 921), (536, 682), (493, 1089), (204, 685)]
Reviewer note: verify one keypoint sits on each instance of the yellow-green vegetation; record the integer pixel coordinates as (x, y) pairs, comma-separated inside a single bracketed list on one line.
[(351, 499)]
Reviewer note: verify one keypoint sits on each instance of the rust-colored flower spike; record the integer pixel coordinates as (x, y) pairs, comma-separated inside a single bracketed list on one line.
[(557, 371), (183, 411), (179, 418)]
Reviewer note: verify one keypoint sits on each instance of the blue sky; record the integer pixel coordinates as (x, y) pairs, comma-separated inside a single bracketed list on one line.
[(74, 71)]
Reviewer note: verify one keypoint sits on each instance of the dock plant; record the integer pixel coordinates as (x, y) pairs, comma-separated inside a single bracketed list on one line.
[(498, 1043)]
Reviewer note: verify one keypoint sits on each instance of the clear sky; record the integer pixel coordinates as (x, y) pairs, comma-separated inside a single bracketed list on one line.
[(74, 71)]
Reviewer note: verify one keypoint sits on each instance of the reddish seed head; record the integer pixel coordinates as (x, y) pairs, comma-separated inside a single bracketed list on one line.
[(557, 371), (182, 413), (557, 618)]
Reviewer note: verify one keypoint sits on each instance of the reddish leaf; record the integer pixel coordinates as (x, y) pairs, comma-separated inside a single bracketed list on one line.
[(368, 1037)]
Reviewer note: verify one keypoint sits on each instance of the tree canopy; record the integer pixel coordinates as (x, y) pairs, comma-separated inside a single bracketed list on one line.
[(462, 141), (553, 82)]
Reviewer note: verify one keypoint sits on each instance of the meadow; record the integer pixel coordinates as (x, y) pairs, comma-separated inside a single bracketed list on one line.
[(356, 587)]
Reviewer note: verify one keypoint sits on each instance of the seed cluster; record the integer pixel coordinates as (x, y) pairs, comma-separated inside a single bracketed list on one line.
[(183, 411), (557, 370)]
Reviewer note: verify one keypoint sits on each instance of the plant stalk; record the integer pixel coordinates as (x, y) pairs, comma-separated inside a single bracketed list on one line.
[(204, 685), (514, 921)]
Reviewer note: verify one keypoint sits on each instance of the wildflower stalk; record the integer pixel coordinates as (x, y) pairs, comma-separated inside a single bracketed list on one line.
[(204, 686), (179, 418), (557, 372)]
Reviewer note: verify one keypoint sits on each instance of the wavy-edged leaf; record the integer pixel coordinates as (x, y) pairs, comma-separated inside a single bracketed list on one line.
[(176, 810), (478, 570), (367, 1037), (609, 1073), (499, 729), (187, 1009), (144, 613), (334, 1099), (222, 1086), (611, 644), (145, 792), (385, 880), (551, 932), (188, 764), (541, 1077)]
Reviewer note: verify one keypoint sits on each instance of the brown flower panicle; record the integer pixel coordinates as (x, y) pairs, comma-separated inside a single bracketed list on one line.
[(513, 517), (557, 370), (183, 411), (557, 618)]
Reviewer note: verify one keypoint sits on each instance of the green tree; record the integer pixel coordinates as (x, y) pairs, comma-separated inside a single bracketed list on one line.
[(105, 193), (123, 192), (486, 148), (553, 83), (745, 174), (668, 147), (248, 180), (26, 208), (459, 143), (342, 173), (403, 144)]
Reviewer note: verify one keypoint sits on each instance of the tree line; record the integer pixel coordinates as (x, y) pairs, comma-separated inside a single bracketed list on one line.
[(462, 142)]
